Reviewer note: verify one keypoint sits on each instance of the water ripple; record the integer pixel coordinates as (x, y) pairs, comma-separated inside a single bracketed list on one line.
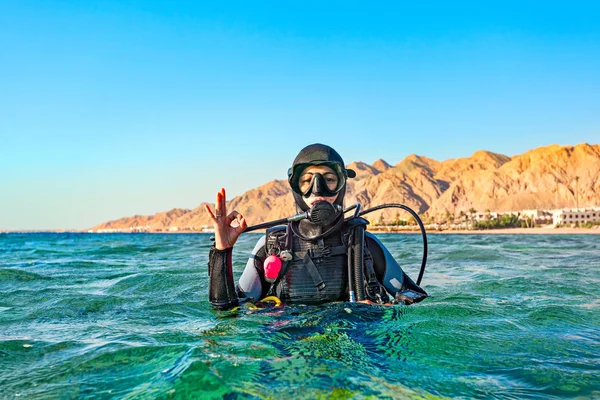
[(126, 316)]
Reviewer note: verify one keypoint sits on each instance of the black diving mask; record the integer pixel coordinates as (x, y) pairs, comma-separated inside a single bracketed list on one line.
[(319, 185), (325, 184)]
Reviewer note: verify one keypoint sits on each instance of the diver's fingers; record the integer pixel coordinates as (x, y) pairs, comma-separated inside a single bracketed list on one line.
[(242, 225), (218, 204), (223, 202), (232, 216), (220, 207), (209, 212)]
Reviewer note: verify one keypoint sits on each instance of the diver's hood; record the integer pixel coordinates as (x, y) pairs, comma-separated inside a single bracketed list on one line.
[(318, 154)]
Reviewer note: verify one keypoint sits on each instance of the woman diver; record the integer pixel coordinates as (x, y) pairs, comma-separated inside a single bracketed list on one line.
[(318, 256)]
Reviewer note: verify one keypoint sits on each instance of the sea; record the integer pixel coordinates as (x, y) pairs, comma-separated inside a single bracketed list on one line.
[(94, 316)]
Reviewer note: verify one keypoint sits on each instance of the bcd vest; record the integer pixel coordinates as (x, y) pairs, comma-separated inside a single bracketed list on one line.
[(317, 271)]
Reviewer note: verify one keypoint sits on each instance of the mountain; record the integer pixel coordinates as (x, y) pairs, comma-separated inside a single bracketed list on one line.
[(362, 169), (381, 165), (547, 177)]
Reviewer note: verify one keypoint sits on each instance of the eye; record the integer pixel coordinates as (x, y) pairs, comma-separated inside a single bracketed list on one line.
[(305, 179)]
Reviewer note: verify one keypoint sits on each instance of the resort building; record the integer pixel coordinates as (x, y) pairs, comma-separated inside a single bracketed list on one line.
[(538, 216), (541, 217), (576, 216), (545, 217)]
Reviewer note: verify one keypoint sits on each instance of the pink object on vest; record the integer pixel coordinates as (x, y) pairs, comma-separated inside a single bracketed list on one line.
[(272, 266)]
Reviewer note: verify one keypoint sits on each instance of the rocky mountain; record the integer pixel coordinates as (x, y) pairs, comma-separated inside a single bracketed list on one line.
[(547, 177), (363, 169), (381, 165)]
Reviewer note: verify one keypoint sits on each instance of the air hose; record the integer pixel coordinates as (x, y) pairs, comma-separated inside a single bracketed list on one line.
[(358, 213), (411, 212)]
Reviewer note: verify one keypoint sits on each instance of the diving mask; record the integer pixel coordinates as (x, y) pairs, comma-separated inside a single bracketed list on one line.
[(326, 182)]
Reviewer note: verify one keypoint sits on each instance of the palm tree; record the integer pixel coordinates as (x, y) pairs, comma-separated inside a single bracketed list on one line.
[(472, 211), (447, 216), (397, 219), (488, 214), (462, 215)]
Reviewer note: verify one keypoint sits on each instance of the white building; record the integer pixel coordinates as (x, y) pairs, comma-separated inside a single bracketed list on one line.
[(538, 216), (541, 217), (573, 216)]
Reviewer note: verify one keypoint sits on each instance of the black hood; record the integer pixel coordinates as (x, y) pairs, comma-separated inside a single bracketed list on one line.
[(317, 154)]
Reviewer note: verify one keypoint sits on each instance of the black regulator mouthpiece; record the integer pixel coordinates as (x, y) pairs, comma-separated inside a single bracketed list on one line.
[(323, 213)]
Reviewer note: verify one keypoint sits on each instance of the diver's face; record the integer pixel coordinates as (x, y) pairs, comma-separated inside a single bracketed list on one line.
[(328, 174)]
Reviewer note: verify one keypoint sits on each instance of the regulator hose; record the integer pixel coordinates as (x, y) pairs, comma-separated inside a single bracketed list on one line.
[(411, 212), (356, 207)]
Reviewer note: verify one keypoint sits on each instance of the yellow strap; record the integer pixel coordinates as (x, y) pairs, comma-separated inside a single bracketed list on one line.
[(274, 299), (254, 307)]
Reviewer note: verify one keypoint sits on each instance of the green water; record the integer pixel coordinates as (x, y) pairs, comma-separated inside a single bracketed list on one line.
[(127, 316)]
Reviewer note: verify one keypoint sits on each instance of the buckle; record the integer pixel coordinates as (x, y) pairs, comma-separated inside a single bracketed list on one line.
[(317, 253)]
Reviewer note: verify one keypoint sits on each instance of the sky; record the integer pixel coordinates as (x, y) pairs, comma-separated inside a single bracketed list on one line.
[(115, 108)]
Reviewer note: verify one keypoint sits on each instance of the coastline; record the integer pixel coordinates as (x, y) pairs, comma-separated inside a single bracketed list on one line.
[(526, 231), (506, 231)]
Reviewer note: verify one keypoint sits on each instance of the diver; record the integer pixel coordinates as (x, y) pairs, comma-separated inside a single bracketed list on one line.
[(319, 256)]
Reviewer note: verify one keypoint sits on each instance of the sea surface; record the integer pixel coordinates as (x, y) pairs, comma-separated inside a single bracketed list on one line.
[(127, 316)]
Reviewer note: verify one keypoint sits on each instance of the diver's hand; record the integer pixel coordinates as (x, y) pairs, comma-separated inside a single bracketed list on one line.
[(226, 234)]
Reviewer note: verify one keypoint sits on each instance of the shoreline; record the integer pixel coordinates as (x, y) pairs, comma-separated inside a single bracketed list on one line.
[(506, 231)]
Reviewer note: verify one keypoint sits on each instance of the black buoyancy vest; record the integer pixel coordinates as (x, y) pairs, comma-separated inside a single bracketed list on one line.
[(318, 272)]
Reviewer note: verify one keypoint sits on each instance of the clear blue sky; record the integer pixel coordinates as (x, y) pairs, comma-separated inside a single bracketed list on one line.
[(115, 108)]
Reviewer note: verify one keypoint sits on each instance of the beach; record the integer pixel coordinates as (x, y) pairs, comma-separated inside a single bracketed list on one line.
[(526, 231)]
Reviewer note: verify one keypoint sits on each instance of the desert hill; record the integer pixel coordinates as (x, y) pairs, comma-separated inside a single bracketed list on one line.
[(547, 177)]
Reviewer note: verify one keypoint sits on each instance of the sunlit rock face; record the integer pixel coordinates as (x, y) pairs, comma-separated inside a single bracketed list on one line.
[(544, 178)]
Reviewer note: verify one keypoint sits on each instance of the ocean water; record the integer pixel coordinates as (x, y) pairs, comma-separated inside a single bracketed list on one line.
[(126, 316)]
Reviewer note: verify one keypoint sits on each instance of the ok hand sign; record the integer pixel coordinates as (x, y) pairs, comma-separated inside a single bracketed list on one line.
[(226, 233)]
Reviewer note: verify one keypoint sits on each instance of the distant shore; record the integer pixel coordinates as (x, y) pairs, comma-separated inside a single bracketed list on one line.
[(527, 231), (506, 231)]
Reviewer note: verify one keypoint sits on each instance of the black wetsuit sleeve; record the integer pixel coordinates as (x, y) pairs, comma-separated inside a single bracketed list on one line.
[(221, 294)]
